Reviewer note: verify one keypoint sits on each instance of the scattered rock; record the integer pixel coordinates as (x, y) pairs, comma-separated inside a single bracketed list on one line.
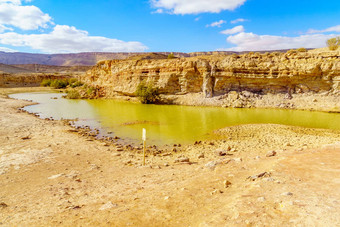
[(237, 159), (200, 155), (221, 153), (26, 138), (166, 164), (55, 176), (287, 194), (166, 197), (197, 142), (108, 205), (255, 177), (216, 191), (212, 165), (3, 205), (120, 149), (261, 199), (183, 159), (271, 154), (117, 154), (226, 183)]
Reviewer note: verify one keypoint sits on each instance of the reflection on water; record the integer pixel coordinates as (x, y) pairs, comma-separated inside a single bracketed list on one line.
[(166, 123)]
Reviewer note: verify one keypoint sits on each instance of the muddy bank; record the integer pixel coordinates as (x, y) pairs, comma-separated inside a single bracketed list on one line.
[(248, 175)]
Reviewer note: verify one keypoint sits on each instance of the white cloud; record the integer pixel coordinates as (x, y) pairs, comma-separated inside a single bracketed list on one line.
[(5, 49), (67, 39), (239, 20), (196, 6), (16, 2), (233, 30), (4, 28), (330, 29), (253, 42), (216, 24), (12, 13)]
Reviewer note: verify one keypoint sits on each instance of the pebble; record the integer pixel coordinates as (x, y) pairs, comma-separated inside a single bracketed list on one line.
[(201, 155), (3, 205), (255, 177), (287, 194), (221, 153), (108, 205), (211, 165), (261, 199), (226, 183), (237, 159), (55, 176), (216, 191), (183, 159), (271, 154)]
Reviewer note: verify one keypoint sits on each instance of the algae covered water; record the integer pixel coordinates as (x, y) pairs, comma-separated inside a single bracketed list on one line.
[(165, 124)]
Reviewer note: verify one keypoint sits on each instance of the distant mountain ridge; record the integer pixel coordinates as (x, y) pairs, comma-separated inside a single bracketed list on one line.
[(91, 58), (81, 59)]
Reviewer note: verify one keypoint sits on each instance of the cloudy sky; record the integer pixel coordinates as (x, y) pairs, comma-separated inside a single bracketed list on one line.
[(66, 26)]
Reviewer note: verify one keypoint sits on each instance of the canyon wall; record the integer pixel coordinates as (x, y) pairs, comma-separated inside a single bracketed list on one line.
[(291, 72)]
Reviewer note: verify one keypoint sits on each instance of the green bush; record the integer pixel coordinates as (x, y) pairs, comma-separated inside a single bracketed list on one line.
[(58, 84), (302, 49), (147, 93), (333, 43), (171, 56), (73, 94), (46, 83), (90, 90), (76, 84)]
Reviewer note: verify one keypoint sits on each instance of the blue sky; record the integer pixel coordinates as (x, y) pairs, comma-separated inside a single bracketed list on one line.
[(65, 26)]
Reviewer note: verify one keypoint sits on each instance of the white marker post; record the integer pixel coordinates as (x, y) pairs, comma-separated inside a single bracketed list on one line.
[(144, 144)]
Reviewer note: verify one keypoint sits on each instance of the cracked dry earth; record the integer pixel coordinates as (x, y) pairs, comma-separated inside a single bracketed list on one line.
[(50, 176)]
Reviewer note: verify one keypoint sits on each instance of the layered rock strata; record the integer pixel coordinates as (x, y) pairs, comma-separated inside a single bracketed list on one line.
[(215, 75)]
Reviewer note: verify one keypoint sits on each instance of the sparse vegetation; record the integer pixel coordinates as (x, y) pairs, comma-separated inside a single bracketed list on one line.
[(302, 49), (147, 93), (46, 83), (58, 84), (61, 83), (333, 43), (73, 94), (171, 56)]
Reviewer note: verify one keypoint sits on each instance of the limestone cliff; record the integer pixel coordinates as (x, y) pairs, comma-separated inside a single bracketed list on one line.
[(292, 72)]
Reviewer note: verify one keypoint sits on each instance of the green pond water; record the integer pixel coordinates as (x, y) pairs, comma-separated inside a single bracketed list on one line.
[(165, 124)]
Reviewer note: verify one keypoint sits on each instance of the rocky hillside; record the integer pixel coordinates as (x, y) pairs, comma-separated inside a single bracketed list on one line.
[(13, 69), (291, 72)]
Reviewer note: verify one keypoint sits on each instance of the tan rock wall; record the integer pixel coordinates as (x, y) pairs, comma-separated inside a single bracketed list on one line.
[(266, 73)]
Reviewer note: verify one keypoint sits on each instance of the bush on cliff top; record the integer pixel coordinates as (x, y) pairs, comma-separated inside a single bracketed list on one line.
[(147, 93), (333, 43)]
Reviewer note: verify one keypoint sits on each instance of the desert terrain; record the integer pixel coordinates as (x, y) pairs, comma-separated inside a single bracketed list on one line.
[(250, 175)]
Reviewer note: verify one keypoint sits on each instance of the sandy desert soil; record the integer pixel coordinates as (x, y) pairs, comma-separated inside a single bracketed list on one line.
[(250, 175)]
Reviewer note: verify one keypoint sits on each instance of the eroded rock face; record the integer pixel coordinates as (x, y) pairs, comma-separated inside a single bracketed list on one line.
[(259, 73)]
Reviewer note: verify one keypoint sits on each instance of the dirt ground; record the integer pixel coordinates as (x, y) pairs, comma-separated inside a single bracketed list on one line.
[(250, 175)]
